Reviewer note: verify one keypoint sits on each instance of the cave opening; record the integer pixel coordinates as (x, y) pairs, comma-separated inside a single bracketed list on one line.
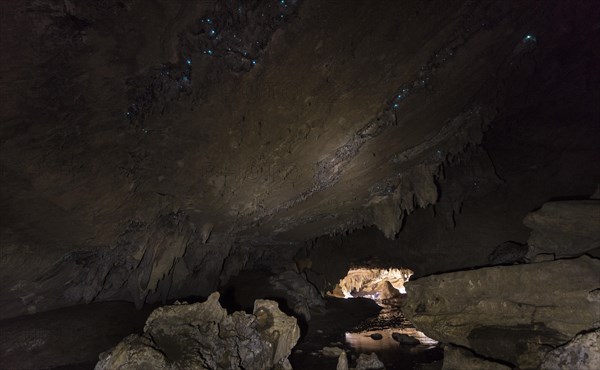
[(389, 334)]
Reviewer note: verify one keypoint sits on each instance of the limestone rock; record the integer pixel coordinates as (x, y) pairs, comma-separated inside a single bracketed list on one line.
[(133, 353), (368, 362), (280, 330), (302, 296), (388, 291), (456, 358), (342, 363), (203, 336), (511, 313), (331, 351), (568, 228), (582, 353)]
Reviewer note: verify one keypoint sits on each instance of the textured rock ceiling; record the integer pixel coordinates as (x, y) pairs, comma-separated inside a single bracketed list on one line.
[(142, 140)]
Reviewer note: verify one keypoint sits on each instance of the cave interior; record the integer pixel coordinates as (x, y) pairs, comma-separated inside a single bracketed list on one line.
[(303, 182)]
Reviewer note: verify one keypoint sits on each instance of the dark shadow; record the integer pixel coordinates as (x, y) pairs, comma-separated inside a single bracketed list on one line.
[(572, 197), (229, 302), (188, 299)]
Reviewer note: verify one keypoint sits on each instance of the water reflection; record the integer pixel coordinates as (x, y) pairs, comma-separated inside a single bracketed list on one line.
[(395, 355), (363, 343)]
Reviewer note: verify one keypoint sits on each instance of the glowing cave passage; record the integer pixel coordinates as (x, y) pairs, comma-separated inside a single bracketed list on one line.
[(373, 283)]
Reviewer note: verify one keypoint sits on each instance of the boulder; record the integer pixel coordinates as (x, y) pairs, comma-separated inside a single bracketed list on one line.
[(301, 296), (204, 336), (510, 313), (566, 228), (405, 339), (369, 362), (456, 358), (582, 353)]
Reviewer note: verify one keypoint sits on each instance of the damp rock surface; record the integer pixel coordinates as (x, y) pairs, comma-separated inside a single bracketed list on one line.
[(369, 362), (582, 353), (510, 313), (204, 336)]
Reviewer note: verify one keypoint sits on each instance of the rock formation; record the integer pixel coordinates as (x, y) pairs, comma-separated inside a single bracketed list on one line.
[(204, 336), (301, 296), (342, 363), (369, 362), (510, 313), (565, 229), (582, 352)]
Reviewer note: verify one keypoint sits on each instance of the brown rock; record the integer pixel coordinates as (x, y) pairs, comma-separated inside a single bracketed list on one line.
[(507, 312), (369, 362), (203, 336), (582, 353)]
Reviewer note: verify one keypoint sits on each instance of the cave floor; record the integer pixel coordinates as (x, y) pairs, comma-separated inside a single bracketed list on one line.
[(348, 324)]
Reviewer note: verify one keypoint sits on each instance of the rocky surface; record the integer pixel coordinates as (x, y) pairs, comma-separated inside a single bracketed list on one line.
[(204, 336), (509, 313), (456, 358), (582, 353), (301, 296), (368, 362), (331, 351), (152, 151), (565, 229), (342, 363)]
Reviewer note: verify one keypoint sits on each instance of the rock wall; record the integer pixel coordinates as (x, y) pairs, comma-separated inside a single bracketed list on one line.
[(522, 314)]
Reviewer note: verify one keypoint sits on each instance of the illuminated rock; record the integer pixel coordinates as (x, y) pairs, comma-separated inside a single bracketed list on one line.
[(342, 363), (204, 336), (377, 284)]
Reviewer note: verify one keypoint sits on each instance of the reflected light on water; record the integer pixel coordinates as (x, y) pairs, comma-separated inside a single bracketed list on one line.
[(362, 341)]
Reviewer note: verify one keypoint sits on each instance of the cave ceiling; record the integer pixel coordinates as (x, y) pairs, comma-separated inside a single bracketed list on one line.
[(246, 122), (272, 122)]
